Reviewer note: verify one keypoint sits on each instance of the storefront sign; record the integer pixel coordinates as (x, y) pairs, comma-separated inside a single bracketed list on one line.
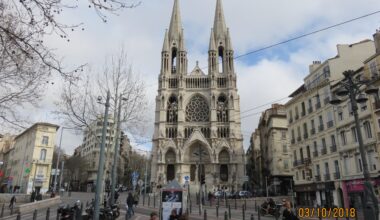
[(305, 188), (358, 185)]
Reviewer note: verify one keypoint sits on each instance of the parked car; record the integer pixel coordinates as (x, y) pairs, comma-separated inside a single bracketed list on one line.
[(218, 194), (245, 194)]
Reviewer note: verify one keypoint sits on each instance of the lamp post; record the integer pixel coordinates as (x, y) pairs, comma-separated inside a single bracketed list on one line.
[(350, 87), (99, 182)]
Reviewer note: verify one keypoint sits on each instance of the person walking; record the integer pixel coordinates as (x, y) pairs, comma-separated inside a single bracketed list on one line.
[(130, 203), (288, 214), (12, 202), (153, 216)]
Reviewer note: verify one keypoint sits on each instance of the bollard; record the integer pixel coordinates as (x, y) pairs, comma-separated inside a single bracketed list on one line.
[(154, 200), (199, 208), (205, 215), (225, 215), (48, 214), (255, 205), (217, 211), (190, 207), (229, 211), (252, 218), (144, 199), (235, 203), (58, 214), (356, 214), (258, 215), (18, 216), (2, 211), (218, 201), (243, 213), (245, 203), (35, 215), (148, 200)]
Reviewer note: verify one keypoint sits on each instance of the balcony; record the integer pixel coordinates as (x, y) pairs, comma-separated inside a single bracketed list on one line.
[(326, 100), (290, 120), (296, 117), (337, 176), (312, 131), (318, 105), (318, 178), (333, 148), (310, 110), (330, 124), (299, 139), (315, 154), (321, 127), (305, 136), (324, 151), (293, 141), (296, 163), (303, 113), (306, 161), (327, 177)]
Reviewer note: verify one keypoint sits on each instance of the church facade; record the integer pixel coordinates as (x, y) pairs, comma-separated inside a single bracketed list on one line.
[(197, 131)]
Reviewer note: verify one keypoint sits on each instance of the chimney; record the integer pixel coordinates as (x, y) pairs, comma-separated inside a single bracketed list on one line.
[(376, 39), (314, 66)]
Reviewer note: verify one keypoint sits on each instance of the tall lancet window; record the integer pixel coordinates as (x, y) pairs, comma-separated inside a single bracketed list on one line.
[(220, 59), (172, 112), (174, 60), (222, 109)]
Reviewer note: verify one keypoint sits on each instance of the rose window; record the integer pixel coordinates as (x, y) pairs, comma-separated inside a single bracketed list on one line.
[(197, 110)]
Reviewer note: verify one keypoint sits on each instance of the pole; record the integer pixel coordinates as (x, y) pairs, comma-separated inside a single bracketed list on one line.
[(291, 188), (61, 174), (200, 178), (99, 183), (115, 154), (57, 164), (266, 185), (145, 179), (371, 209)]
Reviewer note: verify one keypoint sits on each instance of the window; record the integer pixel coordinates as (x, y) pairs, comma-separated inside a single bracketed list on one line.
[(320, 120), (43, 154), (286, 164), (333, 142), (295, 155), (284, 148), (303, 174), (350, 112), (197, 110), (336, 164), (345, 164), (373, 69), (367, 129), (327, 171), (343, 137), (318, 170), (371, 160), (283, 134), (312, 124), (45, 140), (323, 142), (340, 116), (296, 175), (354, 134)]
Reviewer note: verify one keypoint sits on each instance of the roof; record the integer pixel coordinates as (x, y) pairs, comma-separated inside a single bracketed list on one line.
[(35, 125), (298, 91)]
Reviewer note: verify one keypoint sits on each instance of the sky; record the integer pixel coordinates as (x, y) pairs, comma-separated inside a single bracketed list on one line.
[(263, 77)]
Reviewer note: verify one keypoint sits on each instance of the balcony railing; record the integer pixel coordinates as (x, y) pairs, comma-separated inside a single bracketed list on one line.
[(299, 139), (327, 177), (318, 178), (310, 110), (330, 124), (324, 151), (296, 117), (312, 131), (315, 154), (326, 100), (306, 161), (293, 141), (333, 148), (290, 120), (318, 105), (296, 163), (321, 127), (337, 176), (305, 136)]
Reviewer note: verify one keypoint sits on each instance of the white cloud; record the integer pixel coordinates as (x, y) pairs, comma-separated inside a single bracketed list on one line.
[(253, 25)]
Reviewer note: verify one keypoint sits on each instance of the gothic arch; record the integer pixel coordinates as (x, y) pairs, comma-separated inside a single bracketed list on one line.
[(170, 156), (194, 142), (197, 109)]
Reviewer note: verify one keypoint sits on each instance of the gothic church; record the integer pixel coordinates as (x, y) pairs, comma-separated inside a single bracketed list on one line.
[(197, 135)]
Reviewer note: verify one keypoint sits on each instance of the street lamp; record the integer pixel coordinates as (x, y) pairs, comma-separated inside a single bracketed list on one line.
[(350, 86)]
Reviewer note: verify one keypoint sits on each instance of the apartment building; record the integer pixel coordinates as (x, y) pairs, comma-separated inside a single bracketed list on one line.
[(30, 160), (253, 156), (6, 146), (314, 131), (274, 148)]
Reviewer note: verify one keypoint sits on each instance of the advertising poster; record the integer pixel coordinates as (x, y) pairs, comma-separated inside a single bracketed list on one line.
[(171, 203)]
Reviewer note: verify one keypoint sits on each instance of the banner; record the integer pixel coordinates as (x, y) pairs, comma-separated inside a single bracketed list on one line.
[(171, 203)]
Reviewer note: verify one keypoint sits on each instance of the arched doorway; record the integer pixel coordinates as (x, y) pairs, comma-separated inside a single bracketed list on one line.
[(170, 168), (199, 158), (224, 160)]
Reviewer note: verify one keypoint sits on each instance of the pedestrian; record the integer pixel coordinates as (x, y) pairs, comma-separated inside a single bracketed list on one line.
[(288, 214), (12, 202), (33, 196), (173, 215), (153, 216), (130, 203)]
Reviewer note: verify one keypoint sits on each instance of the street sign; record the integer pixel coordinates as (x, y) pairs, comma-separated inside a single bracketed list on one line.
[(187, 178), (27, 170)]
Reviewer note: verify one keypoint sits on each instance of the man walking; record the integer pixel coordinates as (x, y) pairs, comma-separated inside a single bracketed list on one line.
[(130, 202), (12, 202)]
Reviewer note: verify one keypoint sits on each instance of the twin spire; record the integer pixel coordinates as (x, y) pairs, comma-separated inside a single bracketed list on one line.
[(219, 33)]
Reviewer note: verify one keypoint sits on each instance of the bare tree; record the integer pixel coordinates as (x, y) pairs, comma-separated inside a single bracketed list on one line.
[(26, 63)]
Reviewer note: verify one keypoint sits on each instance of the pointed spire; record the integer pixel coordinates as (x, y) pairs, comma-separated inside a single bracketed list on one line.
[(228, 40), (175, 23), (166, 47), (212, 46), (182, 42), (220, 27)]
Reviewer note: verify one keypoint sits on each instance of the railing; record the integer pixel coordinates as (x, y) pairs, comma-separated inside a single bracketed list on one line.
[(321, 127), (299, 139), (318, 105), (330, 124), (318, 178), (333, 148), (296, 117), (337, 176), (173, 83), (290, 120), (315, 154), (312, 131), (305, 136), (293, 141), (327, 177), (306, 161), (324, 151), (197, 82), (221, 82), (310, 110)]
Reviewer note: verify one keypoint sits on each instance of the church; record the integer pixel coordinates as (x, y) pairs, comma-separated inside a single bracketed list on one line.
[(197, 131)]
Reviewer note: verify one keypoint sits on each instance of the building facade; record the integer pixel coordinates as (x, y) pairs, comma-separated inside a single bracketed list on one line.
[(274, 148), (315, 128), (197, 131), (6, 146), (253, 156), (31, 159)]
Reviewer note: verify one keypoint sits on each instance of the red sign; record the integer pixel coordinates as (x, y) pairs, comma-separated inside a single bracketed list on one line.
[(358, 185)]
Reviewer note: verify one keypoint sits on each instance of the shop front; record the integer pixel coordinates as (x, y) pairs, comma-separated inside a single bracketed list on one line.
[(353, 192), (305, 194), (325, 194)]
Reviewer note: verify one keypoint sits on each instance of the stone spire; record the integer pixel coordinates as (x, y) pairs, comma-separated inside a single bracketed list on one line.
[(175, 28), (220, 27), (228, 40), (182, 42), (212, 46), (165, 47)]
